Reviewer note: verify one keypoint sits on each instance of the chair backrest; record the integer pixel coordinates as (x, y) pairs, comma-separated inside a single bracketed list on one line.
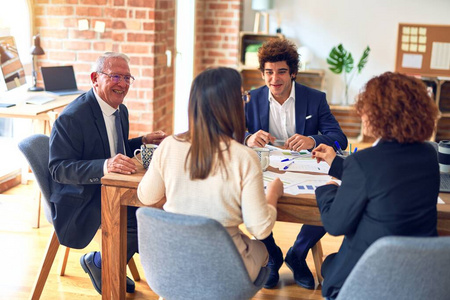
[(401, 268), (36, 150), (192, 257)]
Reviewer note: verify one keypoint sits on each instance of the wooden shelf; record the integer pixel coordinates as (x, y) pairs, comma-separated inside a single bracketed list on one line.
[(250, 38), (441, 93), (252, 79)]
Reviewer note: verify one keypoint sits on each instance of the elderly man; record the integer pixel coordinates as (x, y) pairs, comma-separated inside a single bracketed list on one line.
[(88, 140)]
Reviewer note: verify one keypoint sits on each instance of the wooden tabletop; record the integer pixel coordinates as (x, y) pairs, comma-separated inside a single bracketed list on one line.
[(290, 208), (21, 109)]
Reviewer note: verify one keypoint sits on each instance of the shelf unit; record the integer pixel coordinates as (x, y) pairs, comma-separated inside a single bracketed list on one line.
[(441, 92), (251, 78), (350, 122), (251, 38)]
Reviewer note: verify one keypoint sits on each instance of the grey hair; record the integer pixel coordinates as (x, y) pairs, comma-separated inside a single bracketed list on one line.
[(99, 65)]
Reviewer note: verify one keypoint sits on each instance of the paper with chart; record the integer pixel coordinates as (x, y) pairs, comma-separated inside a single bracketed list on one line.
[(297, 183), (286, 160)]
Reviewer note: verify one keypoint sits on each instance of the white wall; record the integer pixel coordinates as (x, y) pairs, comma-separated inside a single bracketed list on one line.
[(322, 24)]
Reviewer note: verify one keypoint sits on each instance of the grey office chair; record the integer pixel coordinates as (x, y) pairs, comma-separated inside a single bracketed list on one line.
[(36, 150), (401, 268), (192, 257)]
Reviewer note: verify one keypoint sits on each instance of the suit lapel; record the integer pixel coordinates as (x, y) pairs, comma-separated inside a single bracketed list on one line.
[(301, 105), (100, 123), (123, 120), (264, 109)]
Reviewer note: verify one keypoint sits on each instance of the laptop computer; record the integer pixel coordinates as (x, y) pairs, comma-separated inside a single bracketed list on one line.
[(60, 80)]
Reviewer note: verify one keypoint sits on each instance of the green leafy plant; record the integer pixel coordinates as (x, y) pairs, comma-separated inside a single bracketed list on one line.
[(341, 61)]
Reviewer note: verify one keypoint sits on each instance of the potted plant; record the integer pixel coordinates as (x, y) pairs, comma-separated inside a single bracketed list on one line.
[(341, 61)]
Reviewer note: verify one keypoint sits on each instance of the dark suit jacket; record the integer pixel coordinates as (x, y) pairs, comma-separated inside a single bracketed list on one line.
[(78, 149), (308, 102), (389, 189)]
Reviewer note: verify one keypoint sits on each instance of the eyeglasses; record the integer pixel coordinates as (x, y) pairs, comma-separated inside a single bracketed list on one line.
[(116, 78), (246, 97)]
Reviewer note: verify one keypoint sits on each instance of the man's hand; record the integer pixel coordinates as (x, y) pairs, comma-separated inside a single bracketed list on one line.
[(121, 164), (154, 137), (299, 142), (324, 153), (260, 139)]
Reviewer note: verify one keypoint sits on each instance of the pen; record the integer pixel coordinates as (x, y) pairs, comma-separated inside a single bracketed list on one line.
[(287, 166), (338, 148), (308, 117), (356, 149), (350, 150), (288, 159)]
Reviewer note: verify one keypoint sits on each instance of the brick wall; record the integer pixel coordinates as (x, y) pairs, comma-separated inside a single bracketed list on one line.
[(142, 29), (218, 23)]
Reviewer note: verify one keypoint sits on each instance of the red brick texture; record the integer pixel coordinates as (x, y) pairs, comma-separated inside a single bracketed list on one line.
[(218, 23), (144, 30)]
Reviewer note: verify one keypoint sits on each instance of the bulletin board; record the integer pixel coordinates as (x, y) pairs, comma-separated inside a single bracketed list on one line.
[(423, 50)]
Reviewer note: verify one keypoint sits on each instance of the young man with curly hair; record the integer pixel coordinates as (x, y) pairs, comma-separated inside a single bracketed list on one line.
[(286, 113)]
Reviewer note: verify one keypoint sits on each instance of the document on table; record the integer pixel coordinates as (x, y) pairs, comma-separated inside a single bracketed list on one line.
[(303, 162), (297, 183)]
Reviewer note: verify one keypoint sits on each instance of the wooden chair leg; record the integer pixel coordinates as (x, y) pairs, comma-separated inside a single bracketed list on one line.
[(133, 269), (318, 259), (64, 262), (47, 263), (37, 207)]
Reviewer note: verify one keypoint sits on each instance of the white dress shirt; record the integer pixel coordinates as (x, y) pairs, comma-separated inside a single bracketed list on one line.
[(282, 117), (109, 118)]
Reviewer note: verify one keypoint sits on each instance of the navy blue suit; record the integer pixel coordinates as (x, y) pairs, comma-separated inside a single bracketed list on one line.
[(388, 189), (78, 149), (308, 102)]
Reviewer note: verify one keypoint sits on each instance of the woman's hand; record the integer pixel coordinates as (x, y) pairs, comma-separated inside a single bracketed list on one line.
[(274, 191), (324, 153)]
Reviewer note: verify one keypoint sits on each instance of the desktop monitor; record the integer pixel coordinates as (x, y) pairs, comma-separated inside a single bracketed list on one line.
[(13, 74)]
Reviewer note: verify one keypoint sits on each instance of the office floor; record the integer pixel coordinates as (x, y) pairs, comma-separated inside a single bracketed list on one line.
[(22, 249)]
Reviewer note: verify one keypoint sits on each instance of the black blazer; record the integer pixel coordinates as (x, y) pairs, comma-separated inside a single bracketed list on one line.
[(312, 115), (78, 149), (389, 189)]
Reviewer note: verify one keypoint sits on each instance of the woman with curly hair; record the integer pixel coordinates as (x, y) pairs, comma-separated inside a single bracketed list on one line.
[(388, 189)]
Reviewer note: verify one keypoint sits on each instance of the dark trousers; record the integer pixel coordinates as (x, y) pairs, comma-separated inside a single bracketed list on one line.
[(132, 237), (308, 236), (325, 271)]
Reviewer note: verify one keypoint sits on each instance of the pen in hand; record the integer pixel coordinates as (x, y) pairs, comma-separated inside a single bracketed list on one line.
[(287, 166), (338, 148)]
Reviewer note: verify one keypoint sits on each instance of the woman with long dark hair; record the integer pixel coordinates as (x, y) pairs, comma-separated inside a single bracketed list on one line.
[(207, 171)]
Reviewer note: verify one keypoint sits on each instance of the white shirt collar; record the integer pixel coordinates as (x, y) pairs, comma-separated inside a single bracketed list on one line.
[(107, 110), (376, 142), (291, 95)]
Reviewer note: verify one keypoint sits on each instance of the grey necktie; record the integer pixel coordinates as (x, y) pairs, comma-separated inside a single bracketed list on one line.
[(119, 146)]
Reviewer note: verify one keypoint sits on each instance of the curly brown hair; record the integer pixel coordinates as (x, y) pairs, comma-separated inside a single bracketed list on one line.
[(275, 50), (398, 107)]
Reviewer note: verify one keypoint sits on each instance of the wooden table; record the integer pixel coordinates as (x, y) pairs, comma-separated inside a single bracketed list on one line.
[(43, 117), (119, 191), (45, 114)]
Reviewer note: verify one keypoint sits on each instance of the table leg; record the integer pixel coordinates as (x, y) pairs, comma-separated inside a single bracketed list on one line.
[(318, 260), (114, 244)]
